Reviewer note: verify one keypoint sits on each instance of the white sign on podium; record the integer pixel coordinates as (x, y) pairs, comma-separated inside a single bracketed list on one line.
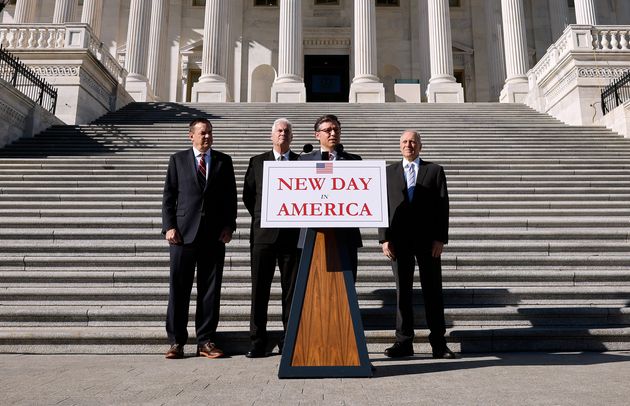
[(317, 194)]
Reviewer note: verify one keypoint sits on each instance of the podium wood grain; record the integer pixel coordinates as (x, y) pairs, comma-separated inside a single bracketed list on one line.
[(326, 335)]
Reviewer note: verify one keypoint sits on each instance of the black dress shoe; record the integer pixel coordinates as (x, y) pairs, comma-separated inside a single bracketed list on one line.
[(444, 353), (399, 350), (256, 353)]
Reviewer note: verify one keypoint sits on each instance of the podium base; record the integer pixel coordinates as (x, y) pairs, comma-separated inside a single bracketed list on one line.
[(325, 337)]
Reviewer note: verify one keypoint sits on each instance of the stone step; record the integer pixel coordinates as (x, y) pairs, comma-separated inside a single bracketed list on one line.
[(453, 296), (151, 340), (157, 247), (375, 316), (483, 276)]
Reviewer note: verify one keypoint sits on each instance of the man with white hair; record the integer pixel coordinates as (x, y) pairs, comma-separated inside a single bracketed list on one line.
[(418, 229), (269, 246)]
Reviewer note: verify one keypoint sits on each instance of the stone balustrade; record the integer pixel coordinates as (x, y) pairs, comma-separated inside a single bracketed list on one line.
[(60, 36), (567, 81), (604, 38)]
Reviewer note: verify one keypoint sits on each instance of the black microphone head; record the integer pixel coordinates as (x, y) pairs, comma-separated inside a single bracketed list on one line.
[(339, 148), (307, 148)]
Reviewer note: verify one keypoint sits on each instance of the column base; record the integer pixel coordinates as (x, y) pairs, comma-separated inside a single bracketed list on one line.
[(514, 92), (288, 93), (209, 92), (445, 92), (367, 93), (139, 88)]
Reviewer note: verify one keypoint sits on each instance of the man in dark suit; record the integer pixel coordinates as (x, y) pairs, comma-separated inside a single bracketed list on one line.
[(269, 246), (418, 229), (198, 219), (328, 133)]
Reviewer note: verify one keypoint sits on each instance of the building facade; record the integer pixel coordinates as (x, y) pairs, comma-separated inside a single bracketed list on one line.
[(324, 50)]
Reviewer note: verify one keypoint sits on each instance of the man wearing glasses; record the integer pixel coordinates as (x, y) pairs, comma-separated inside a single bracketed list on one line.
[(328, 133)]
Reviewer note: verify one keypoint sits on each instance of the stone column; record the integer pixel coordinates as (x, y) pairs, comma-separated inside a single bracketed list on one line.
[(157, 34), (212, 86), (137, 84), (559, 17), (494, 41), (366, 86), (585, 12), (92, 14), (425, 53), (515, 42), (25, 11), (442, 86), (289, 85), (64, 11)]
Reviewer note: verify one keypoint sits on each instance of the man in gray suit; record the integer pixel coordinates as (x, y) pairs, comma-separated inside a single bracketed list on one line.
[(198, 219), (328, 133)]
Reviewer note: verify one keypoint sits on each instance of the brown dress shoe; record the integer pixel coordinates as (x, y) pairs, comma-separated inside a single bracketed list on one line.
[(209, 350), (175, 352)]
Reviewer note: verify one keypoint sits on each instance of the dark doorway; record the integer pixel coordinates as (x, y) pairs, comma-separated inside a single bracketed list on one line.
[(327, 78)]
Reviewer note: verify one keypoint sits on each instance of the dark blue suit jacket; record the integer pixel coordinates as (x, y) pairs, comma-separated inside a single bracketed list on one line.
[(184, 202)]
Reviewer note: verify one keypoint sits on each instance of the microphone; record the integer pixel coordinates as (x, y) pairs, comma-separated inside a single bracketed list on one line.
[(306, 148), (339, 148)]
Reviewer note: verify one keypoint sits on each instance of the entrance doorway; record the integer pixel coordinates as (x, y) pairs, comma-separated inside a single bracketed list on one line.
[(327, 78)]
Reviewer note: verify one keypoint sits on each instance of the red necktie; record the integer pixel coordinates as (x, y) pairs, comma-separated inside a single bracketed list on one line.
[(201, 170)]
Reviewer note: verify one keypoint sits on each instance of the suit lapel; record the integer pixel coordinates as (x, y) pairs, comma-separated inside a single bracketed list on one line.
[(215, 164), (398, 181)]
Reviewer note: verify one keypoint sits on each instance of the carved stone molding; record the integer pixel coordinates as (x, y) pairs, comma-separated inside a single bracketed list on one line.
[(11, 115), (56, 70), (604, 73)]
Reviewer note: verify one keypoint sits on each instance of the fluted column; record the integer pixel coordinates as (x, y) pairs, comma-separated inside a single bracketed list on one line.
[(64, 11), (559, 16), (515, 43), (156, 43), (366, 86), (442, 86), (425, 56), (212, 86), (494, 41), (137, 49), (92, 14), (289, 85), (213, 35), (25, 11), (585, 12)]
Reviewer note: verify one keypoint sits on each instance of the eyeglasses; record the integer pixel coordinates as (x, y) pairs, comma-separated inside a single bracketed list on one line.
[(329, 130)]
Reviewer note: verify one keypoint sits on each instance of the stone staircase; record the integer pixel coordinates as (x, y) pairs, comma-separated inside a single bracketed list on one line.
[(540, 227)]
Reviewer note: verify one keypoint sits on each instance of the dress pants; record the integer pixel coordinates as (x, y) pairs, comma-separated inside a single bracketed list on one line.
[(263, 263), (431, 282), (208, 256)]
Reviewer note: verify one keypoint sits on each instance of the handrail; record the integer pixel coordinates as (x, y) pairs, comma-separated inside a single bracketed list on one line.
[(616, 93), (26, 81)]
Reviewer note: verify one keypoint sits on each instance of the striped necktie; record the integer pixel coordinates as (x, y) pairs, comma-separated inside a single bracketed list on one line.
[(411, 180), (201, 170)]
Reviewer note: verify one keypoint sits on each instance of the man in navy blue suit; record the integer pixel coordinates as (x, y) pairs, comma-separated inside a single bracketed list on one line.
[(198, 219), (418, 229), (328, 133)]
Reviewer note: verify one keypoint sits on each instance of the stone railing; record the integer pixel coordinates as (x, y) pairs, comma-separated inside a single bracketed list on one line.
[(60, 36), (567, 81), (582, 38)]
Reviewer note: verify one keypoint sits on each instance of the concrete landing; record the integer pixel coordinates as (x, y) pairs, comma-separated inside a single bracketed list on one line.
[(498, 379)]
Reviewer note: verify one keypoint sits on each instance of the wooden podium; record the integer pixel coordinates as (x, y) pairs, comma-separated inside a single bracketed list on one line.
[(324, 337)]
